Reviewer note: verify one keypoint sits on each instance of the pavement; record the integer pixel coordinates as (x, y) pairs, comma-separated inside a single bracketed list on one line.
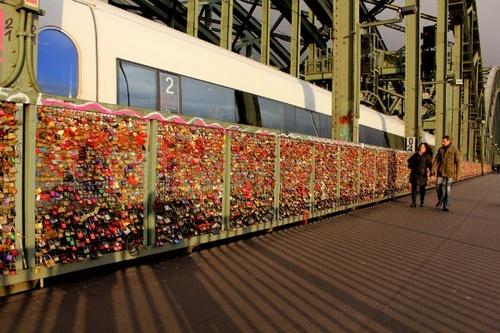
[(385, 268)]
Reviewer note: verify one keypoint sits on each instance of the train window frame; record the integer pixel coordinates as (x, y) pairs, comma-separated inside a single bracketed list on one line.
[(76, 65), (186, 79), (156, 71)]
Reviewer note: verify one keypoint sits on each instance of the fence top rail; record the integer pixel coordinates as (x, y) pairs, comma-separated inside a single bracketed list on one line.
[(15, 96)]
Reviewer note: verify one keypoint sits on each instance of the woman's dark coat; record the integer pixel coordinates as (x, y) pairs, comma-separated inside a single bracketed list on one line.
[(419, 164)]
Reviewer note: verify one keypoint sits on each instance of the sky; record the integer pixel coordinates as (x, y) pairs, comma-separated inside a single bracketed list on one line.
[(489, 29)]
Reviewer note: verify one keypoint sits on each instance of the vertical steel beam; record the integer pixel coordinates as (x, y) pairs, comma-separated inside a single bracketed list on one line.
[(312, 179), (150, 184), (413, 101), (277, 180), (226, 24), (345, 70), (295, 36), (18, 222), (311, 50), (338, 160), (441, 61), (456, 108), (265, 31), (448, 123), (19, 21), (482, 145), (226, 196), (30, 121), (472, 143), (192, 18), (464, 124)]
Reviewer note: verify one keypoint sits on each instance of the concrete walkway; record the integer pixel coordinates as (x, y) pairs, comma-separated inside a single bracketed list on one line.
[(387, 268)]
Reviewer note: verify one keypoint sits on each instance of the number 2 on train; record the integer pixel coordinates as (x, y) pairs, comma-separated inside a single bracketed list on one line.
[(170, 85)]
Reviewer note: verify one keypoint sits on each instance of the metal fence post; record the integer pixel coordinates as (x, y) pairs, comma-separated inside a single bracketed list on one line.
[(150, 183), (226, 193), (312, 180), (18, 224), (375, 179), (358, 176), (339, 174), (277, 180), (29, 140)]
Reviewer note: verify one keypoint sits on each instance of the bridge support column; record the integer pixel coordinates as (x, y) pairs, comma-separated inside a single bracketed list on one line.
[(226, 24), (456, 109), (192, 18), (345, 70), (295, 42), (413, 100), (264, 32), (18, 65), (472, 144), (441, 61), (464, 124)]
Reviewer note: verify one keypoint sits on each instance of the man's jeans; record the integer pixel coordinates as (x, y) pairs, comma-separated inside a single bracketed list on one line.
[(443, 188)]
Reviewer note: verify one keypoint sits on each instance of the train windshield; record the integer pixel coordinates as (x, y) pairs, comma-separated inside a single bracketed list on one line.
[(57, 69)]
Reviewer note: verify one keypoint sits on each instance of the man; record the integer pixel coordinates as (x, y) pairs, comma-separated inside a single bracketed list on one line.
[(447, 167)]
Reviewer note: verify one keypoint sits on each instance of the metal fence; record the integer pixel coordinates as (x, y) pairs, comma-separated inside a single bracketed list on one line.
[(84, 185)]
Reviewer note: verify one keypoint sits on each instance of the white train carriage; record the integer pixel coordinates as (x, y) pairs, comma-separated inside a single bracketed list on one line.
[(94, 51)]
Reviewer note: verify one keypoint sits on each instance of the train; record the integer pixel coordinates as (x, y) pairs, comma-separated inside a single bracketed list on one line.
[(91, 50)]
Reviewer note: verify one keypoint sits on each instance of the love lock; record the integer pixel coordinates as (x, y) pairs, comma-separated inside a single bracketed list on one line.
[(249, 178), (87, 171), (48, 261)]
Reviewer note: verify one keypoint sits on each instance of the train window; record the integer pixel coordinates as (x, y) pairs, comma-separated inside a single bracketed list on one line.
[(272, 113), (137, 85), (372, 136), (208, 100), (290, 118), (325, 126), (321, 124), (316, 118), (57, 68), (305, 123)]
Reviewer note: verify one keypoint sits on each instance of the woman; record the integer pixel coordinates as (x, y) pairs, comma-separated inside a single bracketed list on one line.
[(420, 163)]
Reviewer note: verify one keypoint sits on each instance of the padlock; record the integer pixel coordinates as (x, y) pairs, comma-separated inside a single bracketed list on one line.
[(41, 243), (48, 261)]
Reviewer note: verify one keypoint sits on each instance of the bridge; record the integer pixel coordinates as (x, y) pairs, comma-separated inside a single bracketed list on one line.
[(386, 268), (86, 184)]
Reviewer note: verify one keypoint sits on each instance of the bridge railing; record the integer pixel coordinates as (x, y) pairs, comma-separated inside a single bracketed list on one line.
[(84, 185)]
